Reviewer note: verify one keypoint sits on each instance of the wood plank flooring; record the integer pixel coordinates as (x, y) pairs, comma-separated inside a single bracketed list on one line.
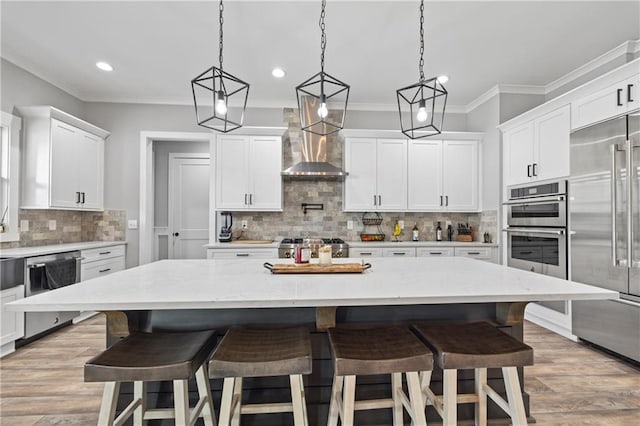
[(571, 384)]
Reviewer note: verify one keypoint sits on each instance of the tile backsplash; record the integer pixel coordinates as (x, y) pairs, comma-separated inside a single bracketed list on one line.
[(70, 227)]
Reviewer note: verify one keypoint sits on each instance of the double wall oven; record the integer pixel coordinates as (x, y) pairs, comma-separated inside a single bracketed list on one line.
[(537, 231)]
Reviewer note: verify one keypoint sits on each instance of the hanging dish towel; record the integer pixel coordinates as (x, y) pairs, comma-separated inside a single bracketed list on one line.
[(60, 273)]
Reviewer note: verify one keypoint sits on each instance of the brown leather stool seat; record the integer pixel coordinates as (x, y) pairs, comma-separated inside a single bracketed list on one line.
[(262, 352), (391, 350), (476, 346), (158, 356)]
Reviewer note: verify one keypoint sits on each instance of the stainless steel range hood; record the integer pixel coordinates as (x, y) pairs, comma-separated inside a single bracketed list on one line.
[(313, 152)]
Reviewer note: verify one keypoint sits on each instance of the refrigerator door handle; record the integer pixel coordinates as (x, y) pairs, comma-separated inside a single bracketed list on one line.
[(614, 197), (630, 204)]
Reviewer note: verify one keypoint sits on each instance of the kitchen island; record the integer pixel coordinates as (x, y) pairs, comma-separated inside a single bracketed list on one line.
[(191, 294)]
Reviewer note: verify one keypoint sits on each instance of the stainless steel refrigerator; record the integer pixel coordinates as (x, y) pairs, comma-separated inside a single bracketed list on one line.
[(604, 221)]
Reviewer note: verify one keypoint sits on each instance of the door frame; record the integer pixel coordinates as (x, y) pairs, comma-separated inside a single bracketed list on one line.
[(146, 210), (170, 188)]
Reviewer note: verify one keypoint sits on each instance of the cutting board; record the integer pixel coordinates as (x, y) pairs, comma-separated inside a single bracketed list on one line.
[(251, 241), (314, 268)]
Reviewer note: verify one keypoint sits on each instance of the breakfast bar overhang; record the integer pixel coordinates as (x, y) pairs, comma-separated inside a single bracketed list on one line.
[(197, 294)]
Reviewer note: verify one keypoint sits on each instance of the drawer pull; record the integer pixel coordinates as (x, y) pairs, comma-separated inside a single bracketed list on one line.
[(435, 252), (104, 252), (473, 252), (242, 254), (365, 253), (399, 253), (104, 270)]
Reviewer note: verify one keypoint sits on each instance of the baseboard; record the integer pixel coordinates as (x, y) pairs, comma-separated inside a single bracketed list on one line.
[(535, 316), (7, 349)]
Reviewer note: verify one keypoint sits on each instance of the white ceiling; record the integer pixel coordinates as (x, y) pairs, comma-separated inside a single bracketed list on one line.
[(157, 47)]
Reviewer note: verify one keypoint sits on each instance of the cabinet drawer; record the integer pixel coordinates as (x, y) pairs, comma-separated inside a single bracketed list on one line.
[(102, 253), (365, 252), (399, 252), (101, 267), (242, 254), (435, 251), (479, 253)]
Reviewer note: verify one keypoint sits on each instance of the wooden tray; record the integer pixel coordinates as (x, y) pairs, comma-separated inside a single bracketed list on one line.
[(314, 268)]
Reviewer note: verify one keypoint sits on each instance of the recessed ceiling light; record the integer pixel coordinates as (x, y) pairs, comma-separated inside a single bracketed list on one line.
[(278, 73), (443, 79), (104, 66)]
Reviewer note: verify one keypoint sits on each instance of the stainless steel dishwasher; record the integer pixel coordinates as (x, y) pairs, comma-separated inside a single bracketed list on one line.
[(40, 278)]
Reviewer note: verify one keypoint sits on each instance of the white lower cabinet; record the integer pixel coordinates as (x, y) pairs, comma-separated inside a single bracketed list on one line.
[(12, 324), (254, 253), (434, 251), (482, 253), (408, 250), (399, 252)]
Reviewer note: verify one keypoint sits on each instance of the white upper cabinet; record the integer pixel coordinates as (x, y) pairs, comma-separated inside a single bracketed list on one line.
[(618, 98), (63, 162), (538, 149), (443, 175), (377, 174), (248, 173)]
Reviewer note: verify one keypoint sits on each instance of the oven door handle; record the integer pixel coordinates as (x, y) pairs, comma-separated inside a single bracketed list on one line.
[(537, 200), (536, 231)]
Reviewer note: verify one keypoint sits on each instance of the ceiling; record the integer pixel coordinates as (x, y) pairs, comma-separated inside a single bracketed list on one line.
[(157, 47)]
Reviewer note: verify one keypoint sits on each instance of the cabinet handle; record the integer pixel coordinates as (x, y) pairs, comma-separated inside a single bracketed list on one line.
[(529, 170), (365, 253), (629, 86), (473, 253), (104, 270), (375, 201), (77, 197), (399, 253), (441, 200), (535, 169), (250, 199), (82, 197), (245, 199), (526, 252), (242, 254), (446, 200), (435, 253), (619, 97), (104, 252), (379, 200)]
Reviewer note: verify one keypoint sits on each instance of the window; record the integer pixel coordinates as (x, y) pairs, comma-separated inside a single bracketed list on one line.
[(9, 176)]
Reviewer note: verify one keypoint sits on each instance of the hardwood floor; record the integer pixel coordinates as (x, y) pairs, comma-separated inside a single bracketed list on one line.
[(571, 384)]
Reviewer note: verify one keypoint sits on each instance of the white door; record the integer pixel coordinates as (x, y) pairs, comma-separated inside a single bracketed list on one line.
[(188, 205), (519, 159), (360, 192), (265, 165), (90, 173), (461, 175), (425, 175), (552, 147), (392, 174), (232, 172), (64, 163)]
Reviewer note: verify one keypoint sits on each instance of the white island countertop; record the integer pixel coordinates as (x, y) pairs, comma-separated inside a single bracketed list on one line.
[(225, 284), (56, 248)]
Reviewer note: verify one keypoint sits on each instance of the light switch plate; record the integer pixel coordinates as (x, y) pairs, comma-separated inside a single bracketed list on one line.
[(245, 224), (401, 223), (52, 225), (132, 224), (349, 224), (24, 225)]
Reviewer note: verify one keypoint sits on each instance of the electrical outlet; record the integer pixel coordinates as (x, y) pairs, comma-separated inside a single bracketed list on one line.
[(245, 224), (132, 224), (52, 225), (349, 224), (401, 223), (24, 225)]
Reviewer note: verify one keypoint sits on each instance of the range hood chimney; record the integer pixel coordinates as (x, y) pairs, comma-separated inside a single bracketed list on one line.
[(313, 152)]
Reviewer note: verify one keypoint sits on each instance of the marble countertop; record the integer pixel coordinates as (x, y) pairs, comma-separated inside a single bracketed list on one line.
[(224, 284), (56, 248)]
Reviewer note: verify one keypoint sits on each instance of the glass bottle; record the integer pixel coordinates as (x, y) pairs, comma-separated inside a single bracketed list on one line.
[(439, 232), (415, 233)]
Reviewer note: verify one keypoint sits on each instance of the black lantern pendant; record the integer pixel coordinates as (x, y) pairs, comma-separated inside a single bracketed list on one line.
[(322, 99), (422, 105), (219, 97)]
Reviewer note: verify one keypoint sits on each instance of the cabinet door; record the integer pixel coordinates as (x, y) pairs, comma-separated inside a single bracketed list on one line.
[(365, 252), (392, 174), (360, 183), (424, 183), (519, 154), (101, 268), (240, 254), (232, 172), (460, 175), (63, 190), (90, 170), (265, 166), (12, 325), (399, 252), (551, 149), (599, 106)]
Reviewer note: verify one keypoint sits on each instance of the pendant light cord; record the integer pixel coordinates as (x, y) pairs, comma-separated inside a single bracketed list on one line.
[(221, 34), (323, 37), (421, 66)]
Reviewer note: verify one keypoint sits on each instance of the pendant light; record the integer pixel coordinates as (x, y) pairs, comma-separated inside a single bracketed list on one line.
[(219, 97), (322, 99), (422, 105)]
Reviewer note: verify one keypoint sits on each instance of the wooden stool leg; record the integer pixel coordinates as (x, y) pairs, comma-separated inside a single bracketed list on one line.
[(297, 400), (204, 391), (514, 396), (226, 402), (450, 397), (415, 395), (348, 396), (139, 393), (108, 405), (237, 401), (335, 405), (396, 390), (481, 405), (181, 402)]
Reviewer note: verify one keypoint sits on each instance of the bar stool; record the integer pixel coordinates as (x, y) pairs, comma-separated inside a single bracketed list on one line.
[(475, 346), (261, 352), (390, 350), (145, 357)]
